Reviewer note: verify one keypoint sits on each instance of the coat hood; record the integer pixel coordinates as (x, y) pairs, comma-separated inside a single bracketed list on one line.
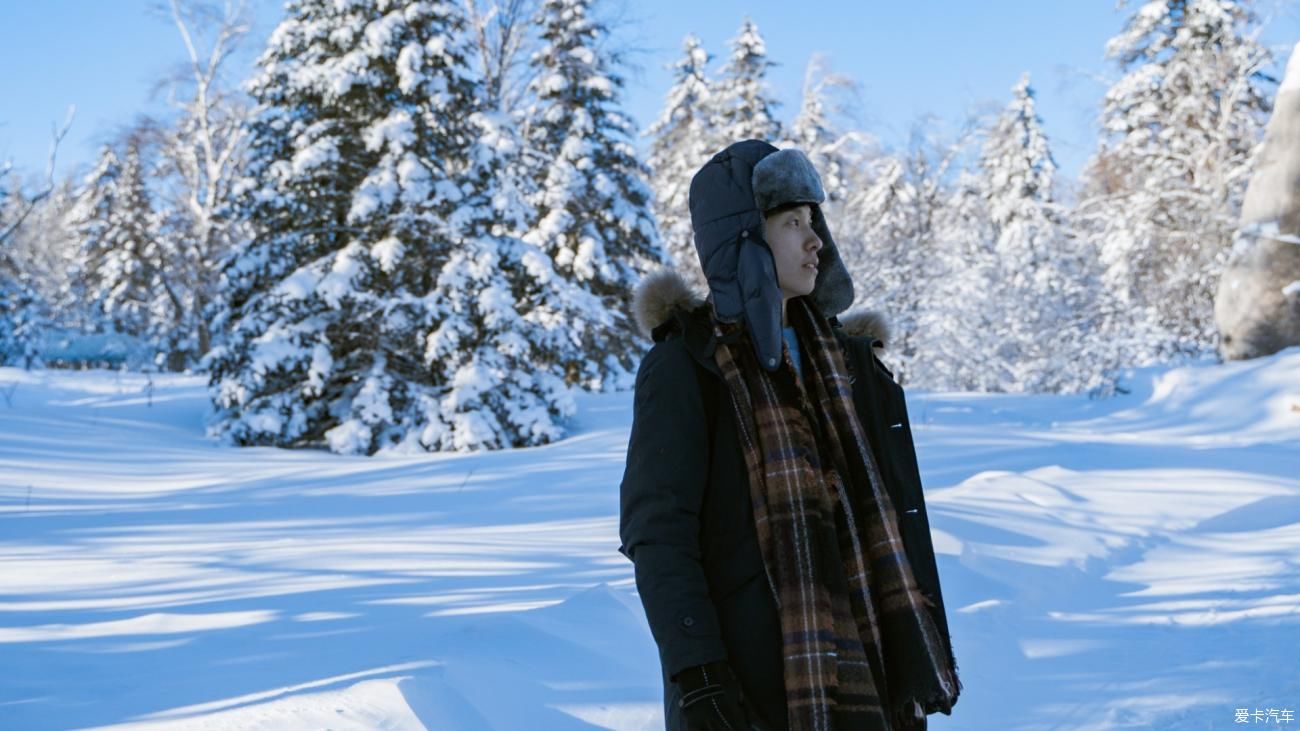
[(727, 199)]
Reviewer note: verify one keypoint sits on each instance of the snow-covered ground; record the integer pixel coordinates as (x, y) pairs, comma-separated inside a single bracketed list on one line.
[(1123, 563)]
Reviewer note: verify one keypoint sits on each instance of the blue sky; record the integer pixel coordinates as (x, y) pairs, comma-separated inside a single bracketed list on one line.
[(930, 57)]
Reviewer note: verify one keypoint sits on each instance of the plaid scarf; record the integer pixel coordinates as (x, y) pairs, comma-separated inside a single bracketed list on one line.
[(861, 650)]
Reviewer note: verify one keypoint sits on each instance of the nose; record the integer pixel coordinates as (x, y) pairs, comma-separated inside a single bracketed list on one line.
[(814, 242)]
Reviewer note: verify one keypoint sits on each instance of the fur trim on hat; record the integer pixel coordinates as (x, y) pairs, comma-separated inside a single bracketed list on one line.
[(866, 324), (786, 176), (658, 295)]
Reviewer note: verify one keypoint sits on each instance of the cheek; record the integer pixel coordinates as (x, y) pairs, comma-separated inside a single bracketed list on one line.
[(794, 255), (784, 248), (788, 264)]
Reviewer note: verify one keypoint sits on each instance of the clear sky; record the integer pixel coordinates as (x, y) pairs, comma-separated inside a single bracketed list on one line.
[(928, 57)]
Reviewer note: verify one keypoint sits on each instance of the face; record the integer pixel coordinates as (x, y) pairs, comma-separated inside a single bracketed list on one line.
[(794, 246)]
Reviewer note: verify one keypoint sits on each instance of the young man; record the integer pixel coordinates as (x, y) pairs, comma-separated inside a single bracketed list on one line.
[(771, 502)]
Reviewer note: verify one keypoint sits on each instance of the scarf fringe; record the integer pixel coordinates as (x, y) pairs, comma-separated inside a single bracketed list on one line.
[(903, 714)]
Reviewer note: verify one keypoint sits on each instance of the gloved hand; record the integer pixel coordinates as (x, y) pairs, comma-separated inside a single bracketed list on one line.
[(711, 699)]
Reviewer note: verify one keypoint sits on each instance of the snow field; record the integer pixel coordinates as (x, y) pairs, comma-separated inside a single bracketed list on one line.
[(1121, 563)]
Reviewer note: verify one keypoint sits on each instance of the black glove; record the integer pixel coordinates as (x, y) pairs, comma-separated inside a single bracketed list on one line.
[(711, 699)]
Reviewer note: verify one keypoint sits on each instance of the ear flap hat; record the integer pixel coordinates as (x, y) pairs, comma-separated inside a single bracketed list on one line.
[(728, 197)]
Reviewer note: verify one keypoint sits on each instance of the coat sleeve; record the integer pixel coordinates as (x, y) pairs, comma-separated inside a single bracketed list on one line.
[(660, 500)]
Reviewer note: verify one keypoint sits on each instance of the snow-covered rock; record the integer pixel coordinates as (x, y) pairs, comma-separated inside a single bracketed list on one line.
[(1257, 308)]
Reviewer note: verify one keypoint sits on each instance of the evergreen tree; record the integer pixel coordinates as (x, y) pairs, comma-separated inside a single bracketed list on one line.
[(1165, 187), (593, 204), (504, 338), (120, 255), (90, 221), (1018, 166), (1044, 290), (21, 319), (743, 107), (683, 139), (353, 146), (382, 301)]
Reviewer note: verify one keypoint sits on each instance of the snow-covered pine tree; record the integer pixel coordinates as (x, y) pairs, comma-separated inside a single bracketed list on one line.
[(593, 203), (504, 340), (89, 219), (382, 301), (21, 318), (683, 139), (1041, 305), (119, 258), (1019, 170), (1166, 184), (353, 148), (743, 107)]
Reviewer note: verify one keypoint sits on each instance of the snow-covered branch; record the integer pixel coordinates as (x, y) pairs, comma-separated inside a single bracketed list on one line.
[(30, 202)]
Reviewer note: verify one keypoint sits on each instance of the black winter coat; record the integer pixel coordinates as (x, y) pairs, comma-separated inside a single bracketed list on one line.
[(687, 520)]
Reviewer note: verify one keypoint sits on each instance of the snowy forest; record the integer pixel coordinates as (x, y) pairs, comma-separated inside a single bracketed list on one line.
[(419, 225)]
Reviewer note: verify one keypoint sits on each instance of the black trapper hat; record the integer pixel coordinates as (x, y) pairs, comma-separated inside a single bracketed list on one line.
[(728, 198)]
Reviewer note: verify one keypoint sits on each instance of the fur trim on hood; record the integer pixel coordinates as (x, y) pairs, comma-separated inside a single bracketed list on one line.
[(866, 324), (658, 294), (664, 291)]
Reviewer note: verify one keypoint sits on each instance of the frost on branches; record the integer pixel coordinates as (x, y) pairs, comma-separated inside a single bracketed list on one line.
[(1165, 188), (837, 155), (985, 285), (383, 301), (20, 319), (889, 243), (593, 203), (683, 139), (1043, 291), (21, 307), (955, 343)]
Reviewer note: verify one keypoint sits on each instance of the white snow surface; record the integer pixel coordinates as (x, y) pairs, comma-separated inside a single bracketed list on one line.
[(1119, 563)]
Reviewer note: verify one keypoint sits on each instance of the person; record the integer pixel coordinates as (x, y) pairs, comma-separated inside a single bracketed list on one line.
[(771, 502)]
